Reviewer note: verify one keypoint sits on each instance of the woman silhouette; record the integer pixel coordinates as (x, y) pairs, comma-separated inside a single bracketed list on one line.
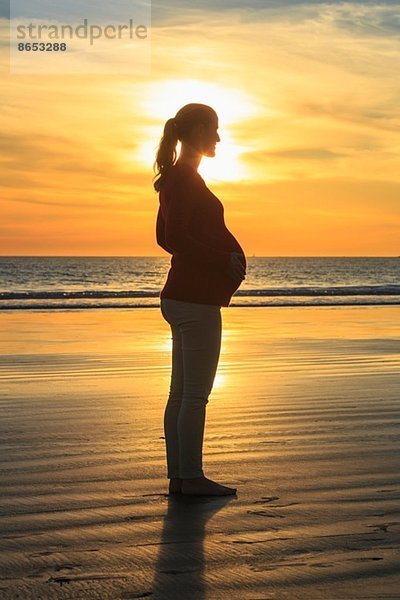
[(207, 267)]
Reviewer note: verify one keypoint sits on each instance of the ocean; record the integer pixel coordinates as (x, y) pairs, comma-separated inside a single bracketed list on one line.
[(62, 283)]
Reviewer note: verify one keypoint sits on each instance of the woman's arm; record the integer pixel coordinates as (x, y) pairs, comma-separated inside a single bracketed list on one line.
[(160, 232), (177, 236)]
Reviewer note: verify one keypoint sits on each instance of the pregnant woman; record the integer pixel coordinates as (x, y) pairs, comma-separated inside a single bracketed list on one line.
[(207, 267)]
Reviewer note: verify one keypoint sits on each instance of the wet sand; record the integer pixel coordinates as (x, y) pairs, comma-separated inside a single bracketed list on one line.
[(304, 420)]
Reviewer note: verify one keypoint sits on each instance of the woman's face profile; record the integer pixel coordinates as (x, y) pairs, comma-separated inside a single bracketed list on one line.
[(210, 138), (207, 137)]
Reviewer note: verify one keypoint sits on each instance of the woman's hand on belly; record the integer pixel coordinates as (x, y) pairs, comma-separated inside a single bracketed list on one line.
[(236, 269)]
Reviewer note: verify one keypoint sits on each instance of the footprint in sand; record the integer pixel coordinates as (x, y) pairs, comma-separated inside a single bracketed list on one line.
[(383, 526), (366, 558)]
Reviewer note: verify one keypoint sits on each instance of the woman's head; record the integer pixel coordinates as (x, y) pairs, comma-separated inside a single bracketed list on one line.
[(195, 125)]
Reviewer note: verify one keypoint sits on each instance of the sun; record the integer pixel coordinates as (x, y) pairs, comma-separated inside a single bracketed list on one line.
[(163, 100)]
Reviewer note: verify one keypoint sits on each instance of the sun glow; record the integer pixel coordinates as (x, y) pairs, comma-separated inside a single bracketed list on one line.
[(219, 381), (163, 100)]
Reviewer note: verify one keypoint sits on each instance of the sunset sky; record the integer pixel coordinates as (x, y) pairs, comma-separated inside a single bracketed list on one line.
[(308, 98)]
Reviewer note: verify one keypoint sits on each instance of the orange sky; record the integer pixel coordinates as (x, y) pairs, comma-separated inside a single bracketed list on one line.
[(308, 162)]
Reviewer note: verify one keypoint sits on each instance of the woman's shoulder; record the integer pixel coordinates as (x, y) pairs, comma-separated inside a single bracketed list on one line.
[(183, 171), (184, 167)]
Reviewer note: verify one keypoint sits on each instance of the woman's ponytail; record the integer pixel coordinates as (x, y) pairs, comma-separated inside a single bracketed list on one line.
[(166, 153), (178, 128)]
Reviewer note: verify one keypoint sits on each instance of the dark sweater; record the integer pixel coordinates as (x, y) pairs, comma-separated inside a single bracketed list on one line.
[(191, 227)]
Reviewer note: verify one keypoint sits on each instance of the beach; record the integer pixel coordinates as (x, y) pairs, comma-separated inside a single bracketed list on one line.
[(304, 419)]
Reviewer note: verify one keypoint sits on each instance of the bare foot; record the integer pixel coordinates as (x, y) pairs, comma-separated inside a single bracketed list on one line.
[(175, 485), (202, 486)]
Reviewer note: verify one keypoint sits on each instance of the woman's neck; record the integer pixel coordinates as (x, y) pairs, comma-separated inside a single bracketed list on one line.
[(189, 156)]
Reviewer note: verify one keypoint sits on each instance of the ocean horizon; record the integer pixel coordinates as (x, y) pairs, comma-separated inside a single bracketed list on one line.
[(82, 282)]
